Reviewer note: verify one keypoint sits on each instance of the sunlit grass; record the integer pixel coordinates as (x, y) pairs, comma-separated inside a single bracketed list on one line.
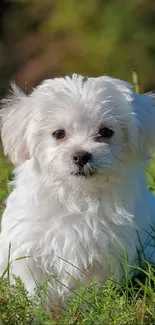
[(94, 304)]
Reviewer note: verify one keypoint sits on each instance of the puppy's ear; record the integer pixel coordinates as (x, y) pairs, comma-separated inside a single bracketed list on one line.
[(144, 112), (14, 119)]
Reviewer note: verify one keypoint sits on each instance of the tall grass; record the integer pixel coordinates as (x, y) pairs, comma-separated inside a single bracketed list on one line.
[(94, 304)]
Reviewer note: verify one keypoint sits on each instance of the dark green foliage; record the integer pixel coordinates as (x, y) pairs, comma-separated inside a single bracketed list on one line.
[(46, 38)]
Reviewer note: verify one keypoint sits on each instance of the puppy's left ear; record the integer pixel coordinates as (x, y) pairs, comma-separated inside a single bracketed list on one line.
[(144, 113), (14, 120)]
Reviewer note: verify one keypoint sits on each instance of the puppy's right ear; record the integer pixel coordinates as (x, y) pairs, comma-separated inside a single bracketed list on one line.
[(14, 119)]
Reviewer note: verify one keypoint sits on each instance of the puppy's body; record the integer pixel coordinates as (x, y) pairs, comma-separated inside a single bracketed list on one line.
[(72, 220)]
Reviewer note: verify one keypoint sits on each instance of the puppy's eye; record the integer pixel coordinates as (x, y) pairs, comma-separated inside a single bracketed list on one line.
[(106, 132), (59, 134)]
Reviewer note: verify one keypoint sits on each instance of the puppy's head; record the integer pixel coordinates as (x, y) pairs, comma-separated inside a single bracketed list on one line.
[(77, 128)]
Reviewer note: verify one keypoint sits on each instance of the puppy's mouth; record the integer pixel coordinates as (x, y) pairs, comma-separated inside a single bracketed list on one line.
[(83, 173)]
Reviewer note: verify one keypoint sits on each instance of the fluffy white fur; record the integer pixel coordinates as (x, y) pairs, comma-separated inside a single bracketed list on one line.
[(68, 225)]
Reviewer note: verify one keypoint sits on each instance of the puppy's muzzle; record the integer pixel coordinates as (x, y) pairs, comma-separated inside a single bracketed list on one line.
[(83, 164)]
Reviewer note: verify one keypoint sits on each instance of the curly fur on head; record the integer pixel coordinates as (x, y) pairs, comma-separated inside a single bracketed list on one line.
[(79, 197)]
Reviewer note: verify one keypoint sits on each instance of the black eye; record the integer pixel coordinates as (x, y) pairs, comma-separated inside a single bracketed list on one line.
[(106, 132), (59, 134)]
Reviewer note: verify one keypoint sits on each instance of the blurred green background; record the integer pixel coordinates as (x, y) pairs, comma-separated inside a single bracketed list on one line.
[(47, 38)]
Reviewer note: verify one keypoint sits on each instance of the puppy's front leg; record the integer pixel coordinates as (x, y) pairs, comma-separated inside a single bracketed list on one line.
[(22, 266), (29, 272)]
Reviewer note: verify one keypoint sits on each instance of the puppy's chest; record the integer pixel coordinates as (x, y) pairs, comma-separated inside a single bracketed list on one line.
[(81, 233)]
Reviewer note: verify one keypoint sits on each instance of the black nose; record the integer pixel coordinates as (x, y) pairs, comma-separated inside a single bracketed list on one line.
[(81, 158)]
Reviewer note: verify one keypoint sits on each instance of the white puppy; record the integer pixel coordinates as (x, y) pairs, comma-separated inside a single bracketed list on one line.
[(79, 197)]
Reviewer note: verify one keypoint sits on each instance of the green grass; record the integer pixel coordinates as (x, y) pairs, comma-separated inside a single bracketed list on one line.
[(5, 177), (95, 304)]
